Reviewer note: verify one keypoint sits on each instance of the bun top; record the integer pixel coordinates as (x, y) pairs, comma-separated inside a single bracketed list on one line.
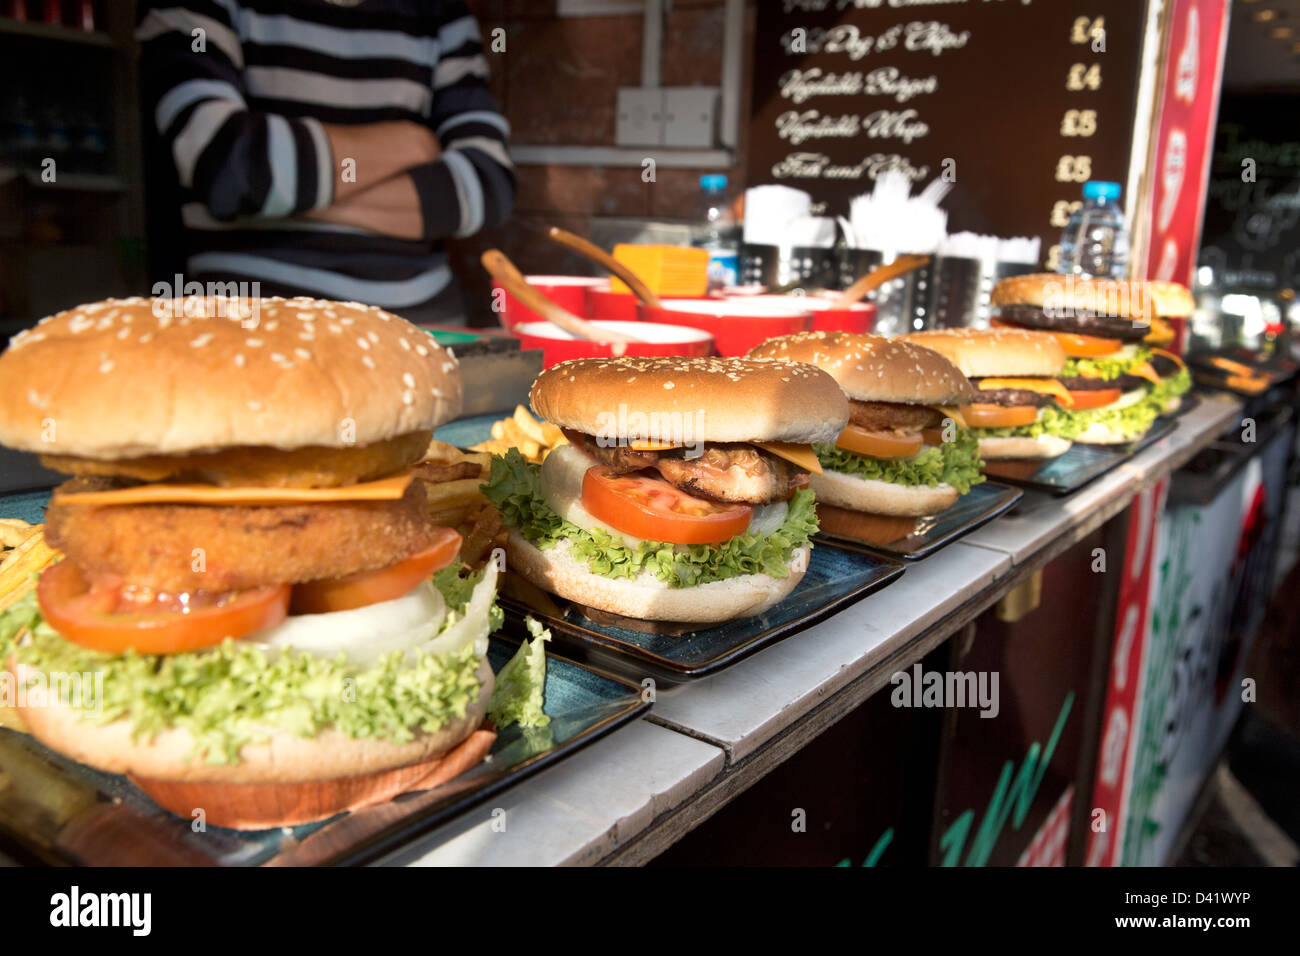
[(1071, 294), (698, 399), (1002, 352), (871, 368), (1172, 300), (130, 377)]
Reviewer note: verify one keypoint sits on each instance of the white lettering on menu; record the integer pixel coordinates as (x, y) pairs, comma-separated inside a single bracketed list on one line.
[(819, 166), (801, 85)]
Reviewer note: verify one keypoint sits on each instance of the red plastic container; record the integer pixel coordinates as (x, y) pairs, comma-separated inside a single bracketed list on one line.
[(859, 317), (568, 292), (558, 345), (605, 303), (736, 324)]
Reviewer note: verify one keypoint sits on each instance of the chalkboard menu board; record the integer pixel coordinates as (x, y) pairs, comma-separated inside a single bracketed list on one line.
[(1018, 102), (1251, 237)]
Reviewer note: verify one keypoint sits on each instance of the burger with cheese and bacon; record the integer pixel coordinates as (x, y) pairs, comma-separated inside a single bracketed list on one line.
[(1018, 408), (903, 454), (681, 495), (1101, 325), (282, 631)]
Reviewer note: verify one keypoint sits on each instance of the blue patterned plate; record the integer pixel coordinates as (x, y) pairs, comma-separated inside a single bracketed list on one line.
[(54, 810), (980, 505), (1078, 466), (836, 578)]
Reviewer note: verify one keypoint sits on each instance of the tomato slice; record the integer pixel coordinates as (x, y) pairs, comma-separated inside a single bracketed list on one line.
[(1095, 398), (372, 587), (646, 507), (106, 616), (999, 416), (880, 444)]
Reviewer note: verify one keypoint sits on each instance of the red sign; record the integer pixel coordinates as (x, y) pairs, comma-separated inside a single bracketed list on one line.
[(1185, 110), (1125, 674)]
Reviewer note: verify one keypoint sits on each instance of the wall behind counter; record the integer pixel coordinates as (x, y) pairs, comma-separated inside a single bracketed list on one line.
[(557, 82)]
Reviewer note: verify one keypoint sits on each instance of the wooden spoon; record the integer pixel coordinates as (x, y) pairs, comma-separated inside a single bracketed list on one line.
[(504, 271), (876, 278), (606, 261)]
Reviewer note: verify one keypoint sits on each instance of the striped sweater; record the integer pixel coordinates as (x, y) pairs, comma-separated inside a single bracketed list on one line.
[(237, 90)]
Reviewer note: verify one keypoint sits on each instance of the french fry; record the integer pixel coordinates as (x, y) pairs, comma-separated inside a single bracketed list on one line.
[(529, 426), (29, 558), (14, 531), (553, 435), (440, 451)]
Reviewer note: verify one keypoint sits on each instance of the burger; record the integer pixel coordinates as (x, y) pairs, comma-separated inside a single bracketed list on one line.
[(682, 492), (1172, 302), (281, 631), (1019, 408), (902, 455), (1101, 325)]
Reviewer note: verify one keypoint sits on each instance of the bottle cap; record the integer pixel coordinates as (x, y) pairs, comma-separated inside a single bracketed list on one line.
[(1097, 189), (713, 181)]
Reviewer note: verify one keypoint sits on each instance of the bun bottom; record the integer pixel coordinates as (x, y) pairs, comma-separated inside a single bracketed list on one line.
[(285, 758), (645, 597), (881, 497), (1097, 434), (859, 526), (261, 806), (1044, 446)]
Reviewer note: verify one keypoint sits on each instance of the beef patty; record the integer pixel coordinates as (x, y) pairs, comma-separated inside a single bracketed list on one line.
[(879, 416), (1105, 326)]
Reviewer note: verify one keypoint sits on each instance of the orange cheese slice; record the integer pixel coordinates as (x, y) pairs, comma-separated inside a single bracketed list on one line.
[(651, 445), (1044, 386), (385, 489), (801, 455), (953, 412), (1145, 371), (1171, 356)]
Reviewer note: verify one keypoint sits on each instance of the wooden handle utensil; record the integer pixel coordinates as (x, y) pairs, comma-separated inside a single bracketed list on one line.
[(606, 261), (878, 277), (503, 270)]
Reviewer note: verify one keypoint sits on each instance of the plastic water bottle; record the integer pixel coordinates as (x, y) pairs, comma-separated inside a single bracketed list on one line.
[(714, 228), (1095, 242)]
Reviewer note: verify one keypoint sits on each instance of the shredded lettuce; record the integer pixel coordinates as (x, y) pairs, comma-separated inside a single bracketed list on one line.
[(955, 463), (1170, 388), (228, 696), (519, 693), (1131, 421), (514, 486), (1103, 367)]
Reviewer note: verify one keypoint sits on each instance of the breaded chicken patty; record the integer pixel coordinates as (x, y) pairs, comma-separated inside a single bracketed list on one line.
[(219, 548)]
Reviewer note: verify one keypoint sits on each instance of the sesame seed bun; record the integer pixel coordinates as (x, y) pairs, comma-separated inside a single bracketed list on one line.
[(980, 353), (125, 378), (1172, 300), (1050, 290), (871, 368), (645, 597), (719, 399)]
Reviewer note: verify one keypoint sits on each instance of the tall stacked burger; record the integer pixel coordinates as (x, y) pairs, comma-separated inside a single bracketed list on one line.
[(282, 632), (682, 494), (1100, 324), (903, 453)]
